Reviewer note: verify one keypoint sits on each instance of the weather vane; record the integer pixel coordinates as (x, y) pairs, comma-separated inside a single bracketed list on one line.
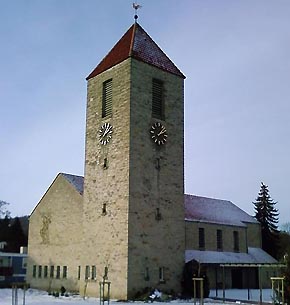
[(136, 6)]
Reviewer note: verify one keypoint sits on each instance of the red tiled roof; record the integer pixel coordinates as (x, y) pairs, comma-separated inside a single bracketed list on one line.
[(138, 44)]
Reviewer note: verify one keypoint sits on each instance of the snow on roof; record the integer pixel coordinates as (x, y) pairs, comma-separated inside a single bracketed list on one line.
[(215, 211), (76, 181), (254, 256)]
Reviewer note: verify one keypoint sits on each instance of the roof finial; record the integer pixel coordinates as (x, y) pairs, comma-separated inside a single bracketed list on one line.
[(136, 6)]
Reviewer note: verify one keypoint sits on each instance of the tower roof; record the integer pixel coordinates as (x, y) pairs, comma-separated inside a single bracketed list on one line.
[(136, 43)]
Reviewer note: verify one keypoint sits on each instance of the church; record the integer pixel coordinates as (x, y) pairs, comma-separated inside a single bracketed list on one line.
[(128, 221)]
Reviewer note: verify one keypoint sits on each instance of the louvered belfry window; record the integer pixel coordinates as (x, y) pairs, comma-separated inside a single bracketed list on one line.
[(157, 99), (107, 98)]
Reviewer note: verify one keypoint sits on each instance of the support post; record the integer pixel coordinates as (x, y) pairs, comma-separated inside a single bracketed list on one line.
[(282, 291), (201, 292), (24, 293), (194, 291), (14, 294), (105, 295), (248, 284), (224, 292), (216, 282), (260, 286), (200, 281), (277, 292)]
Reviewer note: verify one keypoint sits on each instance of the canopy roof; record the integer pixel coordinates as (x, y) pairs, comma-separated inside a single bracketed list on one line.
[(254, 256)]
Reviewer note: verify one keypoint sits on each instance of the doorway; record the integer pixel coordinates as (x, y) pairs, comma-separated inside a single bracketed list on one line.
[(237, 278)]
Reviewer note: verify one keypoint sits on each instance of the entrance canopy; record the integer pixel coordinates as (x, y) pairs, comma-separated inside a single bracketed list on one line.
[(254, 256)]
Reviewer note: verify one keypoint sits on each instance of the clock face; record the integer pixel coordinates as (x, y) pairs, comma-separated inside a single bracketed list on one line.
[(158, 133), (105, 133)]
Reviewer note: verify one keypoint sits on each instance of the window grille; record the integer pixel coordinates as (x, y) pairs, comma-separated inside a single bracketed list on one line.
[(64, 272), (51, 274), (87, 272), (34, 271), (39, 271), (58, 272), (94, 273), (201, 238), (107, 98), (45, 271), (157, 99)]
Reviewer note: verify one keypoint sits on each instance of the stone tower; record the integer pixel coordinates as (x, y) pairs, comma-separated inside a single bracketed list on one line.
[(133, 214)]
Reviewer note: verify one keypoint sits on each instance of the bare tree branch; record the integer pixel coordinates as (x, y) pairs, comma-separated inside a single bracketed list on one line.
[(3, 209)]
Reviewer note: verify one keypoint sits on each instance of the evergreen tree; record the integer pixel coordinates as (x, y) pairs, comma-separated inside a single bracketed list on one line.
[(17, 237), (4, 230), (267, 215)]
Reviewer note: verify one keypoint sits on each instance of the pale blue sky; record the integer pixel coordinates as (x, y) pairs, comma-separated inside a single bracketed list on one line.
[(235, 55)]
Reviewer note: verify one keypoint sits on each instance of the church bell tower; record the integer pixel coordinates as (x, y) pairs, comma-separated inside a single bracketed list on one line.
[(133, 214)]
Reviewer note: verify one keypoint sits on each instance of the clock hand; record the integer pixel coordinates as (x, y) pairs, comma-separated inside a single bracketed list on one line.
[(106, 131), (161, 132)]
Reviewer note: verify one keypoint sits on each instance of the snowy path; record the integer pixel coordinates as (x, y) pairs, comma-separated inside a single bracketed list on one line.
[(37, 297)]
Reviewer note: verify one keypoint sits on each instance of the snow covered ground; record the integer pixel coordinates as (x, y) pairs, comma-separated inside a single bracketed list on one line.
[(37, 297)]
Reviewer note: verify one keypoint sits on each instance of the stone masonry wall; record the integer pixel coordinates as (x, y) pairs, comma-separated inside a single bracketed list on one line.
[(155, 244), (128, 238), (55, 235), (210, 230), (106, 234), (254, 235)]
